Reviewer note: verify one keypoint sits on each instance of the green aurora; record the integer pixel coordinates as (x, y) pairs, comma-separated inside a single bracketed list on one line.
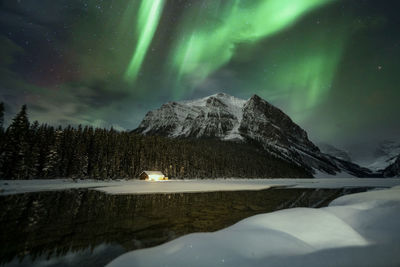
[(204, 47), (148, 18), (329, 64)]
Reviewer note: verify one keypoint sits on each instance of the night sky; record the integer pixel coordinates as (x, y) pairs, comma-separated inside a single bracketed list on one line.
[(332, 65)]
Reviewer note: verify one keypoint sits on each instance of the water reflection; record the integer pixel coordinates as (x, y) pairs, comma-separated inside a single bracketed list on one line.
[(89, 228), (98, 256)]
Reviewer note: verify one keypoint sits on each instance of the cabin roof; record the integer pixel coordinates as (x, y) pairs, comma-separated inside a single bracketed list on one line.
[(152, 173)]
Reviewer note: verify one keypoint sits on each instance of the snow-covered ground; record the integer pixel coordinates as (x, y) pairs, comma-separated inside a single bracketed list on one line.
[(342, 174), (8, 187), (355, 230)]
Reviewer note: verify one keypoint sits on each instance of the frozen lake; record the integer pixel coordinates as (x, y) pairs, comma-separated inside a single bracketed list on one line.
[(89, 223), (180, 186)]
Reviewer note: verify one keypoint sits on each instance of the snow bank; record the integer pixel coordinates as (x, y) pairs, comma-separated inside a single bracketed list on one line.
[(175, 186), (188, 186), (355, 230), (8, 187)]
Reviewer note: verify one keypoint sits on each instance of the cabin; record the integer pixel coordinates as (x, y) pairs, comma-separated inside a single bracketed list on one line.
[(152, 176)]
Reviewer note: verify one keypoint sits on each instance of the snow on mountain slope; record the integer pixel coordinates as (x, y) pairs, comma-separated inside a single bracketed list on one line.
[(334, 151), (385, 155), (254, 120), (215, 116)]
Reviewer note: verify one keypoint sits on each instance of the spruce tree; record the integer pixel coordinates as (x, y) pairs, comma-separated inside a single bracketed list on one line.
[(16, 148), (2, 141), (1, 117), (33, 155), (53, 158)]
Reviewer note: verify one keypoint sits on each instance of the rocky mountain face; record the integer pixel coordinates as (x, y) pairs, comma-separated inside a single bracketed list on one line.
[(393, 170), (385, 155), (215, 116), (254, 121)]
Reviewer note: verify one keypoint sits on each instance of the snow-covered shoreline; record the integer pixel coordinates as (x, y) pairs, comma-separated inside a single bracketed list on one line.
[(354, 230), (8, 187)]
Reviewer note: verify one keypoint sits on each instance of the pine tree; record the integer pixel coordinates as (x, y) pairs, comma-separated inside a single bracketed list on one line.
[(41, 151), (16, 148), (2, 141), (53, 159), (80, 159), (33, 155), (1, 117)]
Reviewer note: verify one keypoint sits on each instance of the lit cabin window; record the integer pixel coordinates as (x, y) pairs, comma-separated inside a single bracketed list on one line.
[(152, 176)]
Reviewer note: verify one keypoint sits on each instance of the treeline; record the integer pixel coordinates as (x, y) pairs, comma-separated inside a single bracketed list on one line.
[(33, 150)]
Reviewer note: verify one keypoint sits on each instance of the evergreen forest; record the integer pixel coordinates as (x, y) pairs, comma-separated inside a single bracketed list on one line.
[(41, 151)]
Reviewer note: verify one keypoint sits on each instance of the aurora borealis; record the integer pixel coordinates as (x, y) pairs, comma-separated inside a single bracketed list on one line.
[(332, 65), (206, 48), (148, 16)]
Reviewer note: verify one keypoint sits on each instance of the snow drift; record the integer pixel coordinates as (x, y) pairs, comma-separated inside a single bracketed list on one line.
[(355, 230)]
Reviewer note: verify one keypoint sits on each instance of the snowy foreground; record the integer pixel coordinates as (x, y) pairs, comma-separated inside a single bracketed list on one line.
[(8, 187), (355, 230)]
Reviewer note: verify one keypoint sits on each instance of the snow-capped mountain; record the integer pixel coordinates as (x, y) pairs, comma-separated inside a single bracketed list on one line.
[(385, 155), (334, 151), (254, 120), (215, 116)]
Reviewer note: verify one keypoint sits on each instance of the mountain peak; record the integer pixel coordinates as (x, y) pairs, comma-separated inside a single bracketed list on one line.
[(222, 95), (226, 117), (256, 97), (224, 98)]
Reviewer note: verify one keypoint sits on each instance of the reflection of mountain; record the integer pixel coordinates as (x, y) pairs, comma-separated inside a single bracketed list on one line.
[(51, 224), (252, 121)]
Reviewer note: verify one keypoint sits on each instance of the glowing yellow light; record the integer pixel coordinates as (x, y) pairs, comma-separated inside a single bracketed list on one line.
[(157, 177), (153, 176)]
